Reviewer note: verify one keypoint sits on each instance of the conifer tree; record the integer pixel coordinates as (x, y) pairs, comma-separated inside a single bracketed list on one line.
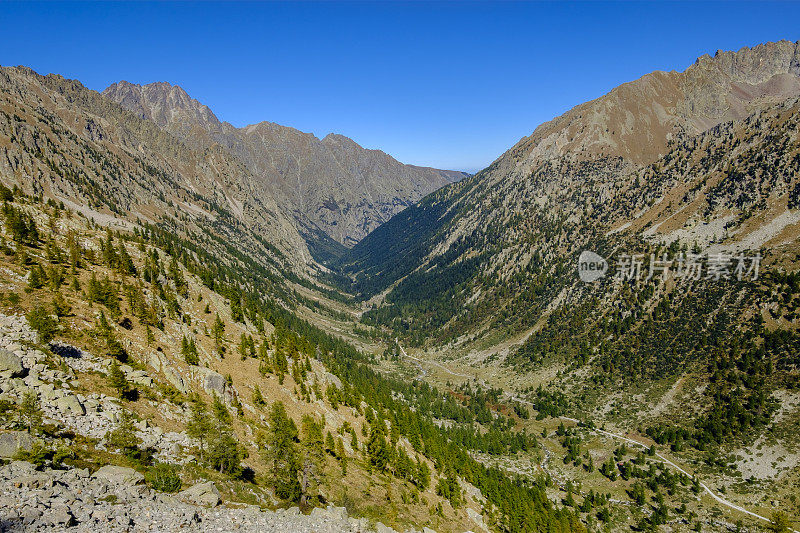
[(30, 414), (200, 424), (218, 333), (124, 437), (281, 453), (341, 454), (330, 444), (189, 351), (377, 449), (312, 458), (224, 452), (117, 379), (258, 398)]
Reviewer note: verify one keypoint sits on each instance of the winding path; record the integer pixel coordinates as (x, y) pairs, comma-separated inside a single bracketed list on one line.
[(716, 497)]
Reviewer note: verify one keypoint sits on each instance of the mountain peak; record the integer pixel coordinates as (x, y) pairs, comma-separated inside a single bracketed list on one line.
[(161, 102), (332, 186)]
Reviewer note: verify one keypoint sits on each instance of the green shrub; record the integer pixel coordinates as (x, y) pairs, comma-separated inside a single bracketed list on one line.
[(43, 322), (39, 454), (163, 477)]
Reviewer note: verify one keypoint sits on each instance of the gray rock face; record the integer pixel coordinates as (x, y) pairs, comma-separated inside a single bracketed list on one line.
[(205, 494), (70, 404), (13, 441), (10, 363), (330, 185), (119, 475), (214, 383), (174, 377)]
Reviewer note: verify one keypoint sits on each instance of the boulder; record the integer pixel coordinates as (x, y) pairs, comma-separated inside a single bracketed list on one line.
[(13, 441), (157, 360), (205, 494), (71, 405), (140, 377), (10, 362), (176, 379), (58, 516), (17, 469), (330, 513), (47, 392), (119, 475), (214, 383)]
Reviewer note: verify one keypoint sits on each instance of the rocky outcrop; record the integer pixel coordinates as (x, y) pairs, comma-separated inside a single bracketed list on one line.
[(10, 363), (91, 415), (119, 475), (12, 442), (113, 499), (204, 494)]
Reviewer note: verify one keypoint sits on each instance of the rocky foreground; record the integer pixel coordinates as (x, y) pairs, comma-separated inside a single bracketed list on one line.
[(115, 499)]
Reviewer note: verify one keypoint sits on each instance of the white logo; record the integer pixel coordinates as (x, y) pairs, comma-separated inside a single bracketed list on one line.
[(591, 266)]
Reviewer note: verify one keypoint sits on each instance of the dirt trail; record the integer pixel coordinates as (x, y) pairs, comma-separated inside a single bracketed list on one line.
[(666, 461)]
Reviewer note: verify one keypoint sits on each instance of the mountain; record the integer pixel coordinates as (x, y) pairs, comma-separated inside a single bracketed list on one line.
[(336, 190), (164, 323), (569, 171), (481, 278), (72, 144), (161, 328)]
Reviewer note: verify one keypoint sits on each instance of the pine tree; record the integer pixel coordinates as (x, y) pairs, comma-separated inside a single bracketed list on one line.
[(200, 425), (117, 379), (75, 251), (281, 453), (124, 437), (189, 351), (377, 449), (423, 476), (224, 452), (36, 277), (218, 333), (30, 414), (330, 444), (341, 454), (258, 398), (45, 325), (312, 458), (61, 307)]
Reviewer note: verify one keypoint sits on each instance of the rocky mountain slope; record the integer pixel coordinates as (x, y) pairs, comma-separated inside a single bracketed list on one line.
[(139, 349), (554, 189), (704, 165), (332, 187), (66, 142), (159, 317)]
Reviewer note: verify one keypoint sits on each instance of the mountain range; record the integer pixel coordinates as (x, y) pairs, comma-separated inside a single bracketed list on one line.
[(428, 328), (333, 188)]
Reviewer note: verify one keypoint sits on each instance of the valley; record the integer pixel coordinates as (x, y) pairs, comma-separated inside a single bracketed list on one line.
[(264, 329)]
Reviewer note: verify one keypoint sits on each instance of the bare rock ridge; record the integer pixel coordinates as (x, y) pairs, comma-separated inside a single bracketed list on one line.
[(331, 186), (637, 120)]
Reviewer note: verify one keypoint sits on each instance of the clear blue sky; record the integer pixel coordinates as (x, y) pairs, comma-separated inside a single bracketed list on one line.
[(451, 84)]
